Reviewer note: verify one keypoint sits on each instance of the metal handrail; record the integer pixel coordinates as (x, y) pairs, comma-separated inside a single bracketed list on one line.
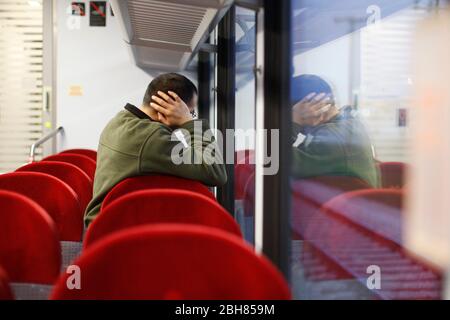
[(42, 140)]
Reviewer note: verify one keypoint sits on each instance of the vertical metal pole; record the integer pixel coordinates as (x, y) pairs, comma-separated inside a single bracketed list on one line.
[(226, 90), (48, 107), (277, 116), (204, 84)]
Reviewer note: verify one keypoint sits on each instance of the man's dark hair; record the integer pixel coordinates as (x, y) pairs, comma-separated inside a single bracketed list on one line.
[(175, 82), (308, 83)]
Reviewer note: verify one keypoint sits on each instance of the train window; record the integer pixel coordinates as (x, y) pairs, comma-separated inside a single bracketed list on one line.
[(352, 91), (21, 83), (245, 121)]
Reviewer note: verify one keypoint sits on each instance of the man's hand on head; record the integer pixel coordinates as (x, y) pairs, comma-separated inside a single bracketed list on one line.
[(312, 110), (172, 111)]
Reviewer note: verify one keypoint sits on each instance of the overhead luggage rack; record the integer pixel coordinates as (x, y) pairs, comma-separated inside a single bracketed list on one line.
[(166, 34)]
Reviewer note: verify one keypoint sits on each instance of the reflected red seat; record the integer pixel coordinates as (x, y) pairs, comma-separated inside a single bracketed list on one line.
[(160, 206), (76, 178), (5, 290), (85, 152), (392, 174), (174, 262), (52, 194), (244, 168), (376, 210), (83, 162), (308, 196), (154, 182), (29, 245), (249, 196)]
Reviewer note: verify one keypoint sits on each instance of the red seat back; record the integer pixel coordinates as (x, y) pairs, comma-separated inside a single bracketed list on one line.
[(174, 262), (5, 290), (70, 174), (308, 196), (160, 206), (52, 194), (83, 162), (377, 211), (392, 174), (244, 168), (154, 182), (85, 152), (29, 245)]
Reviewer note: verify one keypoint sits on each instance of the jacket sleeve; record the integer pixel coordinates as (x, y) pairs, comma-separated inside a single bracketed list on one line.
[(317, 155), (197, 158)]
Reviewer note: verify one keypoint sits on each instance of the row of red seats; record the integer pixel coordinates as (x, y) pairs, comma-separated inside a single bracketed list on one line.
[(130, 242), (392, 174), (350, 226), (346, 225)]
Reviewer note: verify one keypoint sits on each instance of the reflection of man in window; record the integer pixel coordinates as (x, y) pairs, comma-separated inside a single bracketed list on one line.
[(327, 140)]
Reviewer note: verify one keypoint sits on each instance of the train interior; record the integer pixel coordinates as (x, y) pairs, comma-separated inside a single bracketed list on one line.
[(332, 118)]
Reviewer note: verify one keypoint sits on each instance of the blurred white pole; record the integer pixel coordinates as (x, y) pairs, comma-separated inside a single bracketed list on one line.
[(427, 223)]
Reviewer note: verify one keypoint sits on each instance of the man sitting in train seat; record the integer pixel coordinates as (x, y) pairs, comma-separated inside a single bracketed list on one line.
[(328, 140), (138, 141)]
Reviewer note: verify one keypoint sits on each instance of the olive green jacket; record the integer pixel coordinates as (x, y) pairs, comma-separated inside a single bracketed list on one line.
[(132, 144), (339, 147)]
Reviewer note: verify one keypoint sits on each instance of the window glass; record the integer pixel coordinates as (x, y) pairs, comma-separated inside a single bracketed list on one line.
[(245, 121), (354, 87)]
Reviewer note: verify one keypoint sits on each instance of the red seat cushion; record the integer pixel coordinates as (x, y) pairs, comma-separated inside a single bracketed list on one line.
[(154, 182), (52, 194), (160, 206), (69, 173), (174, 262), (85, 152), (29, 245), (83, 162)]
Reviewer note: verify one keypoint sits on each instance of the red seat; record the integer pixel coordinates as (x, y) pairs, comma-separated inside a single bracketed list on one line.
[(392, 174), (83, 162), (5, 290), (249, 196), (154, 182), (308, 196), (244, 168), (29, 245), (160, 206), (70, 174), (52, 194), (85, 152), (241, 155), (376, 210), (174, 262)]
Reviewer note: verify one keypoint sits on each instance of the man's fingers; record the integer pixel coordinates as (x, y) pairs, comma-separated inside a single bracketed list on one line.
[(161, 102), (174, 96), (317, 111), (165, 97), (160, 109), (317, 104), (163, 119), (320, 96), (308, 98)]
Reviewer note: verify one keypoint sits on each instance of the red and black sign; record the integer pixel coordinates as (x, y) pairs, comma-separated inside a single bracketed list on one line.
[(97, 16), (78, 9), (402, 117)]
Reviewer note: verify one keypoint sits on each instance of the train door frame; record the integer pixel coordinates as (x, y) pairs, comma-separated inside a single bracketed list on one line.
[(272, 204)]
